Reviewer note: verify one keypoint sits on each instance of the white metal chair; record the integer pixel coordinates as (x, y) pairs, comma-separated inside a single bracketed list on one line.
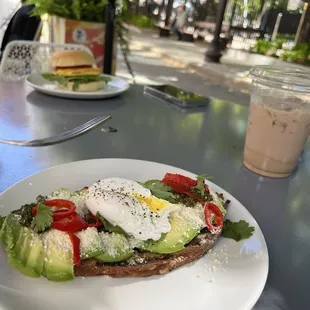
[(21, 58)]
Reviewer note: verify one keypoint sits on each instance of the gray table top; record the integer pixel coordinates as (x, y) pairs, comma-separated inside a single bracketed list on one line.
[(208, 141)]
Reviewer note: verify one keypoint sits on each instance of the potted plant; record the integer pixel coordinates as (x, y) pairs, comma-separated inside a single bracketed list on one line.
[(76, 21)]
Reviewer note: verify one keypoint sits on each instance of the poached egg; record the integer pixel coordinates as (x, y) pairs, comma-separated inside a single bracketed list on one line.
[(129, 205)]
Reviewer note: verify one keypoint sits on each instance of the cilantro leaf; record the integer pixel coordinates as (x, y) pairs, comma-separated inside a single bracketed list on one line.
[(200, 189), (43, 219), (160, 190), (237, 230)]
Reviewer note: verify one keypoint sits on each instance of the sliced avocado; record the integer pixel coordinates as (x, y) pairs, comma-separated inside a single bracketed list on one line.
[(10, 231), (109, 227), (2, 218), (58, 265), (23, 246), (90, 243), (181, 233), (116, 248), (27, 256), (36, 254)]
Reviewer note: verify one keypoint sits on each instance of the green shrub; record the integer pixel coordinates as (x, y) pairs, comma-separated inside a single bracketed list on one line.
[(86, 10), (140, 21), (268, 48), (299, 53)]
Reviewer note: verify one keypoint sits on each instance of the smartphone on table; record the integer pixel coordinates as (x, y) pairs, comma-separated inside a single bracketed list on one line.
[(183, 99)]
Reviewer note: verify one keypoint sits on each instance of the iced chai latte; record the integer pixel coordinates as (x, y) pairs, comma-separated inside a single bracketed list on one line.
[(279, 120)]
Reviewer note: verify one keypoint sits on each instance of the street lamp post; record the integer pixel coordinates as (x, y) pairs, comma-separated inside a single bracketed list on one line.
[(213, 53), (109, 37)]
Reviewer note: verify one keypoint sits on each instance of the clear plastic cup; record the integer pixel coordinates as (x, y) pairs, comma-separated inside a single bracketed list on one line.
[(279, 120)]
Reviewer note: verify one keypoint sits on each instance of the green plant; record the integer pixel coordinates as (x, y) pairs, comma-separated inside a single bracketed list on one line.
[(285, 37), (140, 21), (88, 10), (267, 47), (300, 53)]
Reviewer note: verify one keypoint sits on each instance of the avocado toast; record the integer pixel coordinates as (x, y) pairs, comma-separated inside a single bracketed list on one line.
[(116, 227), (145, 264)]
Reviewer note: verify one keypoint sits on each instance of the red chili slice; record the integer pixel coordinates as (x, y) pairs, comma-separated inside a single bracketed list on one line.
[(209, 209), (182, 185), (76, 248), (180, 180), (98, 222), (59, 204), (72, 223)]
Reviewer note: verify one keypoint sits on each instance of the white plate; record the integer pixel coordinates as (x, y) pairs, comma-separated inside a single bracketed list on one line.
[(231, 277), (114, 88)]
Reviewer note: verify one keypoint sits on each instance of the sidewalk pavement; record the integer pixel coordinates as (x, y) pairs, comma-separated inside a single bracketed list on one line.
[(232, 71)]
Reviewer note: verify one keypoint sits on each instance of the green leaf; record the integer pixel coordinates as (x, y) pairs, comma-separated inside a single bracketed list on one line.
[(160, 190), (87, 78), (237, 230), (75, 79), (200, 187), (108, 226), (75, 86), (41, 198), (25, 213), (76, 9), (43, 219), (55, 78)]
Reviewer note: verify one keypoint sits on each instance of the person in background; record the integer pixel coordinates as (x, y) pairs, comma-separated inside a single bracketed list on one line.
[(22, 26), (180, 21)]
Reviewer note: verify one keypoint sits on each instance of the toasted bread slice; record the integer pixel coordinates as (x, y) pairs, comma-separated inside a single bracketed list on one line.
[(145, 264)]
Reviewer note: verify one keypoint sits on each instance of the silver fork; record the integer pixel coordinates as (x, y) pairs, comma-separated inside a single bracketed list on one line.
[(67, 135)]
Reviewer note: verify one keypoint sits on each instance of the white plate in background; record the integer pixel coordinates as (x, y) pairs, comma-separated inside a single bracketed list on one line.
[(113, 88)]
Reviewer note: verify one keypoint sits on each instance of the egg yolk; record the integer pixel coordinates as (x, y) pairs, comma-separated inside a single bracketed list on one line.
[(153, 203)]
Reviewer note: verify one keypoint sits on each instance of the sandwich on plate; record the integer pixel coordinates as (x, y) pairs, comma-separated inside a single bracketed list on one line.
[(76, 70), (118, 227)]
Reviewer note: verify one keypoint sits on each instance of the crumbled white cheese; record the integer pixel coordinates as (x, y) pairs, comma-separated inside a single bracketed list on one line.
[(58, 239), (114, 244), (133, 261), (90, 240), (193, 216), (135, 243), (218, 260)]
